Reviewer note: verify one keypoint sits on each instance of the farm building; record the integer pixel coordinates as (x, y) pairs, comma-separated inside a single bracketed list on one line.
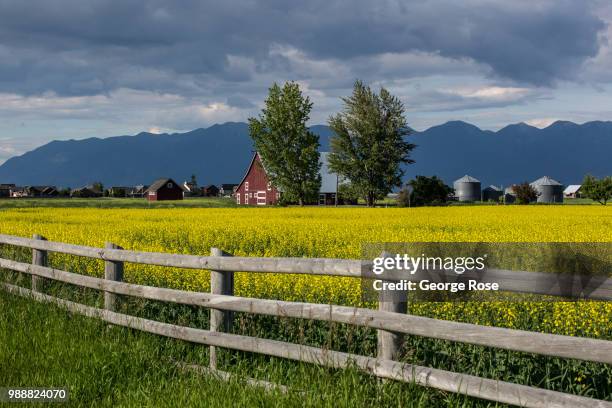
[(492, 193), (19, 192), (255, 188), (227, 190), (329, 183), (33, 192), (48, 191), (138, 191), (467, 188), (509, 195), (85, 192), (5, 190), (549, 190), (165, 189), (572, 191), (210, 191), (118, 191), (191, 188)]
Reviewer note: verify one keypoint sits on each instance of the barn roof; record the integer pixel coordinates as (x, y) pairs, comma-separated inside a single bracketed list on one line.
[(85, 188), (493, 188), (246, 173), (545, 181), (572, 188), (467, 179), (159, 183)]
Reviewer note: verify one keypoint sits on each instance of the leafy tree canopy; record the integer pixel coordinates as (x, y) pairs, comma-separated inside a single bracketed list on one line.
[(288, 149), (369, 146), (525, 193), (424, 191), (599, 190)]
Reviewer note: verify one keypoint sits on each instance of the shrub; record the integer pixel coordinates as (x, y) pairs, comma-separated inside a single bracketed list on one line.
[(425, 191), (525, 193)]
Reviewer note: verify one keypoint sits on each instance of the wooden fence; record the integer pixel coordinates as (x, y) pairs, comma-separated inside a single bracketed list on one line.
[(390, 320)]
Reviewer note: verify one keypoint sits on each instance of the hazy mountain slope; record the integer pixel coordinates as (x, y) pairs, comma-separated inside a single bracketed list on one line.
[(219, 154)]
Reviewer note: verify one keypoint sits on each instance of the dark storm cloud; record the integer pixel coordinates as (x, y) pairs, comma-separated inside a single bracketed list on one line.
[(80, 47)]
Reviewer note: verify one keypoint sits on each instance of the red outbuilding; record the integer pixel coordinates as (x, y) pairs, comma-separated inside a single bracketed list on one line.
[(165, 189), (255, 188)]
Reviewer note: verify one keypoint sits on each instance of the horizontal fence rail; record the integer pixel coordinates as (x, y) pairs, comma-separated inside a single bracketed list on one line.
[(501, 391), (539, 283), (391, 321), (511, 339)]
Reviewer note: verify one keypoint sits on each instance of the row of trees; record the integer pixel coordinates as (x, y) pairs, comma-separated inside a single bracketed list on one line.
[(368, 147)]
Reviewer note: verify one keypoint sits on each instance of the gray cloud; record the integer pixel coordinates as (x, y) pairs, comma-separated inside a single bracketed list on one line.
[(78, 47)]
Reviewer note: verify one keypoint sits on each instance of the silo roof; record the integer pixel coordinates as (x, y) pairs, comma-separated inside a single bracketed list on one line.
[(494, 188), (467, 179), (545, 181)]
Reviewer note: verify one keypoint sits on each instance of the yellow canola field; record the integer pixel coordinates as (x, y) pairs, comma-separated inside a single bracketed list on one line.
[(326, 232)]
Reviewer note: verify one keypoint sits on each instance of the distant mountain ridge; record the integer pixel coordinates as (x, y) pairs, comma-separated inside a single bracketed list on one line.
[(564, 150)]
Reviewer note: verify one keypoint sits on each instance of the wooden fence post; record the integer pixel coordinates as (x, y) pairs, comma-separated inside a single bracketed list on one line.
[(112, 271), (39, 258), (221, 283), (390, 343)]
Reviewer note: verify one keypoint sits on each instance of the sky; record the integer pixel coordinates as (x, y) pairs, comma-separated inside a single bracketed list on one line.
[(73, 69)]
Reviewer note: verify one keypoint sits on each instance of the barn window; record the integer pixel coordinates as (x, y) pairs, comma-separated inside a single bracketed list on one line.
[(269, 186), (169, 185), (246, 186), (238, 198)]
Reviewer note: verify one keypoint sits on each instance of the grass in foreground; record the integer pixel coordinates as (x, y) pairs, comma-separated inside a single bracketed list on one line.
[(102, 365)]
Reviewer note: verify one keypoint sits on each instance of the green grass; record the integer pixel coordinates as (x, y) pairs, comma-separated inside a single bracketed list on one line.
[(103, 365), (107, 202)]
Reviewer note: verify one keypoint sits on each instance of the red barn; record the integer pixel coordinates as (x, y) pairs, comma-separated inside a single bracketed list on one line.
[(165, 189), (255, 188)]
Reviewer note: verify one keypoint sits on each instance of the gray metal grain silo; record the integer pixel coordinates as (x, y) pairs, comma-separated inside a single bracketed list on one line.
[(467, 188), (549, 190), (492, 193)]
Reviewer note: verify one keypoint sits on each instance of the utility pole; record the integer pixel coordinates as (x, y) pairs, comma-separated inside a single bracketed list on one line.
[(336, 196)]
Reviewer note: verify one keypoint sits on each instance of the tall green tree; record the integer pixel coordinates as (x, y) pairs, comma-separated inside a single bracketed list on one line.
[(369, 144), (599, 190), (288, 149)]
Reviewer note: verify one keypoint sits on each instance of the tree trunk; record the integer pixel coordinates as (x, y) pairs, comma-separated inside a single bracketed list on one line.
[(370, 199)]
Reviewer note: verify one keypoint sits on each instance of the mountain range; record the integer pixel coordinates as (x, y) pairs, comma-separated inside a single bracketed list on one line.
[(566, 151)]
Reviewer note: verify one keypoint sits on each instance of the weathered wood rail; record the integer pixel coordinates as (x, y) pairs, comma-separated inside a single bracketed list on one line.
[(388, 321), (539, 283)]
